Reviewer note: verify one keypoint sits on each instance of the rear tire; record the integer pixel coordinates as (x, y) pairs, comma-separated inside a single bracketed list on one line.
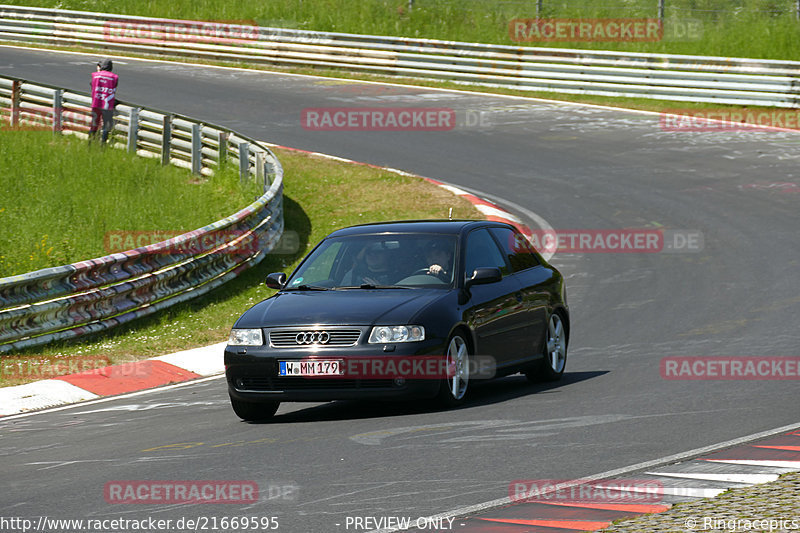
[(453, 388), (252, 411), (554, 361)]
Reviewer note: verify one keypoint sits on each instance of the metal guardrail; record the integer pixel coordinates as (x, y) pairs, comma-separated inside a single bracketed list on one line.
[(89, 296), (659, 76)]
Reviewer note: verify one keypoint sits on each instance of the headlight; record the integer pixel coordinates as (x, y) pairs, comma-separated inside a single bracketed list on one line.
[(384, 334), (245, 337)]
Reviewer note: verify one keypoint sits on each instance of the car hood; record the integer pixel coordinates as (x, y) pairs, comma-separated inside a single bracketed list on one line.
[(357, 307)]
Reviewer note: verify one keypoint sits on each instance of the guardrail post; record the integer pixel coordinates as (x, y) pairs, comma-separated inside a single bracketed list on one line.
[(58, 97), (260, 176), (661, 11), (222, 152), (166, 139), (244, 161), (538, 8), (269, 172), (197, 149), (797, 9), (16, 92), (133, 129)]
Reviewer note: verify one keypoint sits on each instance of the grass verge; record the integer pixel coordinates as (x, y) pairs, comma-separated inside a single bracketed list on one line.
[(46, 180), (353, 194)]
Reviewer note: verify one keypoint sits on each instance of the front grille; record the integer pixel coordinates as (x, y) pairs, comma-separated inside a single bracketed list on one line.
[(293, 384), (317, 337)]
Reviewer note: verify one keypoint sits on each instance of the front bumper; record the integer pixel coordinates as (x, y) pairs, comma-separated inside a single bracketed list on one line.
[(252, 373)]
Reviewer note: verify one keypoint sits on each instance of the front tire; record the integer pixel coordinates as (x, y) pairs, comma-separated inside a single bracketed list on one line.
[(555, 353), (453, 388), (252, 411)]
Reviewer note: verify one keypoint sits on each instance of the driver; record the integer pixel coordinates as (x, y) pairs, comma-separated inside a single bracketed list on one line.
[(439, 256)]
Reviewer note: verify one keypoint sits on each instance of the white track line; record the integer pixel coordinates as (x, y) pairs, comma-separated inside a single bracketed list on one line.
[(750, 479), (795, 465), (687, 492)]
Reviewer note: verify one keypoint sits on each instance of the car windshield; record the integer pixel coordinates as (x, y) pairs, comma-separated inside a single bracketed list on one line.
[(379, 261)]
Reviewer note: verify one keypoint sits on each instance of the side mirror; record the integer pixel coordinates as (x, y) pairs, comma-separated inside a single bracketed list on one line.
[(276, 280), (484, 276)]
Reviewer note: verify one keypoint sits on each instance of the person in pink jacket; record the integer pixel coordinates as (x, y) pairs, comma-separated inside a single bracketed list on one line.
[(104, 92)]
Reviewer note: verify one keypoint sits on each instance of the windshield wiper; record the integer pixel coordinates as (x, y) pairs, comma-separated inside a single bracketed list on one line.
[(307, 288), (371, 286)]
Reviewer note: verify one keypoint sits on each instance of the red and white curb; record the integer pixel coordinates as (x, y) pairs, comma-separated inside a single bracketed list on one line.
[(113, 380), (708, 476), (180, 366), (689, 476)]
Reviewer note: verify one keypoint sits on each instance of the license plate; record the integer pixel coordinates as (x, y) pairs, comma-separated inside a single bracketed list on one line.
[(317, 367)]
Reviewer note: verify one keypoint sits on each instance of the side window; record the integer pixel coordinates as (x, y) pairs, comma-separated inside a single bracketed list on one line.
[(482, 251), (516, 248)]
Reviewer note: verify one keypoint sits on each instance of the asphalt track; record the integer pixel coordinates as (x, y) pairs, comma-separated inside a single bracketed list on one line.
[(578, 167)]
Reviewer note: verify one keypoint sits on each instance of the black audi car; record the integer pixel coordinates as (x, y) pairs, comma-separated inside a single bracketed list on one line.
[(400, 309)]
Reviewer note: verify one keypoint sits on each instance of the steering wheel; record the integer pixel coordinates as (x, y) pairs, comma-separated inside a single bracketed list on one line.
[(426, 271)]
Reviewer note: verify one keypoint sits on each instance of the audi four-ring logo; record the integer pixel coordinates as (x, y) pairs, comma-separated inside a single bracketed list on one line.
[(312, 337)]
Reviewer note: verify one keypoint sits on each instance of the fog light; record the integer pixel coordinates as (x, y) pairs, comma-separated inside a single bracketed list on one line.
[(239, 383), (399, 382)]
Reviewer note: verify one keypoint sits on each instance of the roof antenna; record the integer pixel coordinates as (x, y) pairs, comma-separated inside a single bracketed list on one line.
[(450, 214)]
